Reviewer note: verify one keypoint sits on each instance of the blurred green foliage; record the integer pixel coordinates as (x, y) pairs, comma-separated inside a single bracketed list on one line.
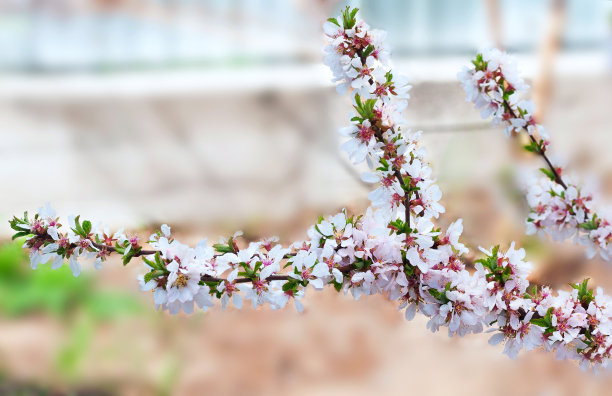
[(57, 293), (54, 292)]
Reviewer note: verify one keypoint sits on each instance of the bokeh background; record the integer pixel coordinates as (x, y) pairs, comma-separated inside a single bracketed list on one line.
[(216, 115)]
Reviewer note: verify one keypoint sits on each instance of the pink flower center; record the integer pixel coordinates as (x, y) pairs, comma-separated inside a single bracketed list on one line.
[(397, 199), (259, 286), (381, 90), (38, 227), (410, 240), (455, 265), (365, 134), (229, 288), (458, 307), (562, 326), (388, 181)]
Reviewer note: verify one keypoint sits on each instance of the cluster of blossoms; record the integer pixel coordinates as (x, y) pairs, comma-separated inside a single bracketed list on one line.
[(559, 208), (493, 84), (357, 57), (394, 249)]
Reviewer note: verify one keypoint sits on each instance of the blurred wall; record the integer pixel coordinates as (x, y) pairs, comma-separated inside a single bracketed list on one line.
[(103, 35), (217, 115), (199, 112)]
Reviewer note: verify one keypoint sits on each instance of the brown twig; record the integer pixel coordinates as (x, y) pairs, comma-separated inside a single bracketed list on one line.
[(139, 253), (208, 278), (541, 150)]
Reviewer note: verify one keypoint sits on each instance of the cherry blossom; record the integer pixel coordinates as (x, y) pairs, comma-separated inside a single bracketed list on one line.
[(394, 249), (560, 208)]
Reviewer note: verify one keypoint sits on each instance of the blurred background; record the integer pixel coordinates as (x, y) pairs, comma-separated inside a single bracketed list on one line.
[(217, 115)]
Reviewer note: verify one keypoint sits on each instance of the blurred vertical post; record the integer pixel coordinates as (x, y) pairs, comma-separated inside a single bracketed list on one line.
[(495, 22), (542, 85)]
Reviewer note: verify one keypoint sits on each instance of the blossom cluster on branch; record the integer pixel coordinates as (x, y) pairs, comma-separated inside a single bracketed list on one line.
[(559, 208), (394, 249)]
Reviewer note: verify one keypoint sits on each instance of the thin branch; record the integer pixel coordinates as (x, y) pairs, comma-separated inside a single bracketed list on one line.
[(379, 135), (208, 278), (541, 150), (139, 253)]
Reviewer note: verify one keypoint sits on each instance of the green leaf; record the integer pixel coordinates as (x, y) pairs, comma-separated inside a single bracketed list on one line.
[(364, 109), (507, 94), (532, 147), (348, 17), (334, 21), (585, 295), (20, 234), (150, 263), (531, 295), (119, 249), (439, 295), (86, 227), (546, 321), (479, 63), (223, 248), (154, 275), (78, 226), (590, 225), (542, 322), (128, 257), (20, 225), (506, 274), (548, 173), (367, 51), (290, 285), (148, 276), (160, 264), (400, 226)]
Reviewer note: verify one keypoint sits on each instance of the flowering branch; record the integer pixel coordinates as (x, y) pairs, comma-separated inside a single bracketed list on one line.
[(559, 207), (394, 249), (539, 147)]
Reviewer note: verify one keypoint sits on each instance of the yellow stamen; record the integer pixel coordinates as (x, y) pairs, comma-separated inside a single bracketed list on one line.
[(181, 281)]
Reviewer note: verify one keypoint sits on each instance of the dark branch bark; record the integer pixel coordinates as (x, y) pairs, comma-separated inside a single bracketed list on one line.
[(541, 151)]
